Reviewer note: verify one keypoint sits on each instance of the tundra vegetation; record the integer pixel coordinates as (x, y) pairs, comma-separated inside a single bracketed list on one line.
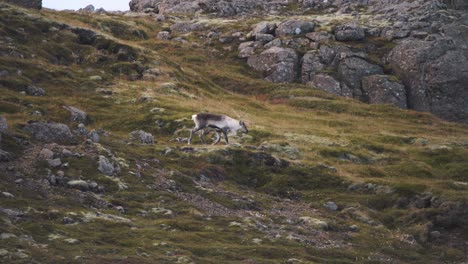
[(91, 170)]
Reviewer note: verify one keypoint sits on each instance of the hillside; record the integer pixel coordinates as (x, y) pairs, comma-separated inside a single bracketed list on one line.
[(94, 111)]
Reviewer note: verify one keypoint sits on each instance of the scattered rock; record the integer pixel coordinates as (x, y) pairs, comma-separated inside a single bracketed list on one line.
[(54, 163), (263, 27), (5, 156), (96, 78), (142, 136), (50, 132), (77, 115), (7, 195), (164, 35), (34, 90), (326, 83), (105, 166), (313, 222), (331, 206), (46, 154), (78, 184)]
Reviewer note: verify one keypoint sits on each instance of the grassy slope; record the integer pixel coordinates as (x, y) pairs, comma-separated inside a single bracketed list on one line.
[(322, 127)]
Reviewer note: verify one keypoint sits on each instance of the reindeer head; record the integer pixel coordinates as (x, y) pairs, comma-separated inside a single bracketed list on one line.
[(243, 127)]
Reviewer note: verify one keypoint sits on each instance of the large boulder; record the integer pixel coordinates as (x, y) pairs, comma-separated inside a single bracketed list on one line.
[(435, 74), (37, 4), (349, 32), (381, 89), (279, 65), (50, 132), (326, 83), (263, 27), (351, 70), (311, 65), (143, 5), (294, 27)]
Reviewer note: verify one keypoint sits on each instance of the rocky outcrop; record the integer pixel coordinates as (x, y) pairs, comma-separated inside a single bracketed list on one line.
[(278, 65), (36, 4), (143, 5), (435, 74), (50, 132), (352, 70), (381, 89)]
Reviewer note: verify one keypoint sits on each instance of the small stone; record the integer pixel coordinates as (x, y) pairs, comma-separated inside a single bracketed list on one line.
[(354, 228), (8, 195), (313, 222), (257, 241), (78, 184), (46, 154), (7, 236), (95, 78), (19, 181), (71, 240), (3, 252), (435, 234), (331, 206), (163, 35), (94, 136), (54, 163), (120, 209), (105, 167), (68, 220), (35, 91)]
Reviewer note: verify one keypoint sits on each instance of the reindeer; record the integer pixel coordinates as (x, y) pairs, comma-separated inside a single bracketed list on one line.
[(221, 123)]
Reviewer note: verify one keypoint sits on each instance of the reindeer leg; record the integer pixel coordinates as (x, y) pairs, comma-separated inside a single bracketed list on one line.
[(225, 136), (218, 137), (202, 133), (193, 131)]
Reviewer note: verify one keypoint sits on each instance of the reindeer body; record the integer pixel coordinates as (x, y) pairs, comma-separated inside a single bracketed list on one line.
[(221, 123)]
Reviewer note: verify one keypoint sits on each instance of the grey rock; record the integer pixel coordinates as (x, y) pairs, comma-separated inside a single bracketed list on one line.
[(319, 36), (427, 68), (311, 65), (94, 136), (186, 26), (326, 83), (163, 35), (142, 137), (105, 166), (5, 157), (141, 5), (349, 32), (81, 130), (77, 115), (78, 184), (34, 90), (50, 132), (294, 27), (88, 9), (247, 49), (54, 163), (273, 43), (279, 65), (264, 38), (352, 70), (263, 27), (380, 89), (391, 33), (9, 196), (331, 206)]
